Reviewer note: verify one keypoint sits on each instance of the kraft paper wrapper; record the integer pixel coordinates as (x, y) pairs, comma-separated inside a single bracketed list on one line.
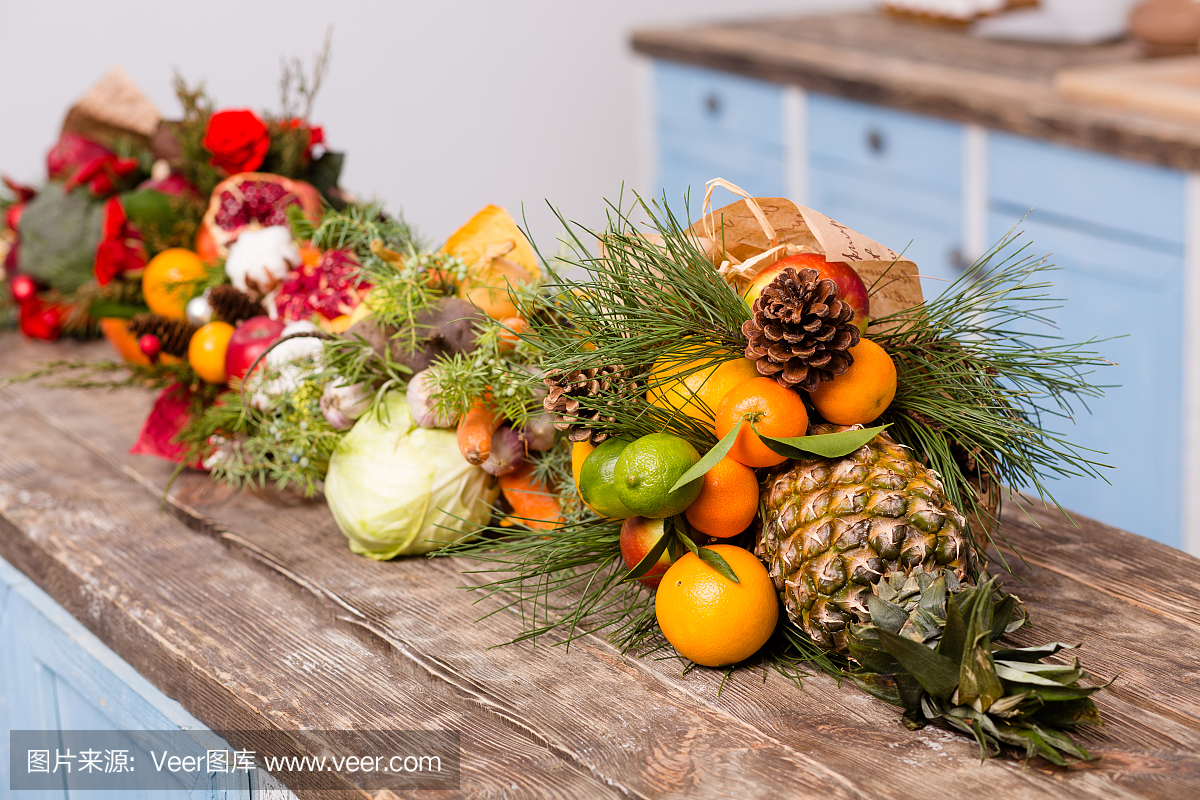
[(113, 109), (750, 247)]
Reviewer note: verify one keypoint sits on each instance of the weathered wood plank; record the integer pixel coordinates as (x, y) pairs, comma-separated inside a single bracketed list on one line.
[(935, 71), (592, 701), (230, 644)]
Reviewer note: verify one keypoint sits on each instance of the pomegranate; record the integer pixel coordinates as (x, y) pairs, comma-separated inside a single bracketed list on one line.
[(329, 288), (254, 200)]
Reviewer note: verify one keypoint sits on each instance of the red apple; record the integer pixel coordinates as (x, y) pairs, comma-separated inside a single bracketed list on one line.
[(638, 537), (248, 342), (851, 288)]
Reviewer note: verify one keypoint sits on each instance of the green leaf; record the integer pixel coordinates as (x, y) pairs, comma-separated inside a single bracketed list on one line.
[(825, 445), (977, 678), (937, 674), (682, 536), (710, 459), (865, 648), (888, 616), (722, 566), (650, 559), (107, 308), (1069, 713), (954, 636), (1030, 653), (1002, 615)]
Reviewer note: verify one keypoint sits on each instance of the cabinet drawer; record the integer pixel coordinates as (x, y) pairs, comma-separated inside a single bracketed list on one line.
[(1136, 424), (925, 225), (687, 163), (710, 104), (885, 145), (1095, 194)]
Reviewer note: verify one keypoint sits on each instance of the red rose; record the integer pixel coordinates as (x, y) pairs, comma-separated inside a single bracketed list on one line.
[(237, 139)]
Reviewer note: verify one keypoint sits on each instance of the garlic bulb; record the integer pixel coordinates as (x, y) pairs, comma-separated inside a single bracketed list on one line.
[(342, 404), (260, 259)]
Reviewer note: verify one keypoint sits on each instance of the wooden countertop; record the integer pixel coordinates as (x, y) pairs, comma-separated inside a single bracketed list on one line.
[(932, 70), (249, 609)]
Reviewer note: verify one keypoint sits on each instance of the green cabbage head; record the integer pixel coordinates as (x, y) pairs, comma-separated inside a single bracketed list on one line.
[(396, 489)]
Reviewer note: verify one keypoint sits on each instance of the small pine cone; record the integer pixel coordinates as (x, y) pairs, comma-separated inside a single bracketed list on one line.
[(800, 331), (174, 335), (231, 305), (565, 391)]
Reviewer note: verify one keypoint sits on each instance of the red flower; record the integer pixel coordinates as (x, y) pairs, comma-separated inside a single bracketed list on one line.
[(166, 420), (41, 320), (237, 139), (120, 250)]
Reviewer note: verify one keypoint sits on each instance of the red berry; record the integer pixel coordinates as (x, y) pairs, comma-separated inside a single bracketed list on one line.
[(23, 288), (150, 345)]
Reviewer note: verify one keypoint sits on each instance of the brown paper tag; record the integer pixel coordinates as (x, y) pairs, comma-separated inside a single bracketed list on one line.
[(758, 231), (113, 109)]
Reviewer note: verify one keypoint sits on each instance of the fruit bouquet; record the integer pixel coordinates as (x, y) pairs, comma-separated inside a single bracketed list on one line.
[(760, 410), (666, 439)]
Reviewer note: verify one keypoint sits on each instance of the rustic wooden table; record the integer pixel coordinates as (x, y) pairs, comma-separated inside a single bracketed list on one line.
[(249, 609)]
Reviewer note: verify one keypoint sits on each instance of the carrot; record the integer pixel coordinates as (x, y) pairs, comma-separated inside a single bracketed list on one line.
[(533, 504), (475, 431)]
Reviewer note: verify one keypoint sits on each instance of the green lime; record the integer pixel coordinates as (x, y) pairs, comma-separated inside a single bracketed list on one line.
[(649, 467), (596, 485)]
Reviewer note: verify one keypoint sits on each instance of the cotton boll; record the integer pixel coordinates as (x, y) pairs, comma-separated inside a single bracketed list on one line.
[(260, 259)]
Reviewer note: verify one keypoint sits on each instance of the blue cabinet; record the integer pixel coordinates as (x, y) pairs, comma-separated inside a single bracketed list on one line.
[(56, 675), (710, 124), (1117, 230), (893, 176)]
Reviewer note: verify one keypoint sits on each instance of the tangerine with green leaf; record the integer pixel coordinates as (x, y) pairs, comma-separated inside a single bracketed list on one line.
[(773, 409), (710, 619), (728, 500)]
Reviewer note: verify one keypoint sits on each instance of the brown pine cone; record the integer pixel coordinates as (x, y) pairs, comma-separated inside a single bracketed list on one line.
[(174, 335), (566, 390), (800, 331), (232, 305)]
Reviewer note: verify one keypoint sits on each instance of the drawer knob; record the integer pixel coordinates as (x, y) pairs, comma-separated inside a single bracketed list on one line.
[(713, 103), (875, 141)]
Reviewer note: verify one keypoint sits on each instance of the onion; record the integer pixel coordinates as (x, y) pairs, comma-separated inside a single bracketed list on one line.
[(420, 402), (508, 451), (538, 433)]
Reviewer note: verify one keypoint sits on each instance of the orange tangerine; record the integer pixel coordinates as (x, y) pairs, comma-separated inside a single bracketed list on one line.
[(163, 278), (863, 392), (728, 501), (206, 351), (709, 618), (775, 411)]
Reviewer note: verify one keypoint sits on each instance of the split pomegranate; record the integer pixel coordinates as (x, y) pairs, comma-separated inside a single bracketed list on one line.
[(254, 200), (329, 287)]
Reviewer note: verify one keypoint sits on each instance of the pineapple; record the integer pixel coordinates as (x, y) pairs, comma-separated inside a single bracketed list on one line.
[(832, 528), (872, 561)]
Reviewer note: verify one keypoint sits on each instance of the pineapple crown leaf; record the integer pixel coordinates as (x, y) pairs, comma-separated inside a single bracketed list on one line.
[(929, 649)]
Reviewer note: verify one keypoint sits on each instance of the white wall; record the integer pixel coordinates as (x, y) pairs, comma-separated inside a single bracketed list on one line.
[(442, 107)]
